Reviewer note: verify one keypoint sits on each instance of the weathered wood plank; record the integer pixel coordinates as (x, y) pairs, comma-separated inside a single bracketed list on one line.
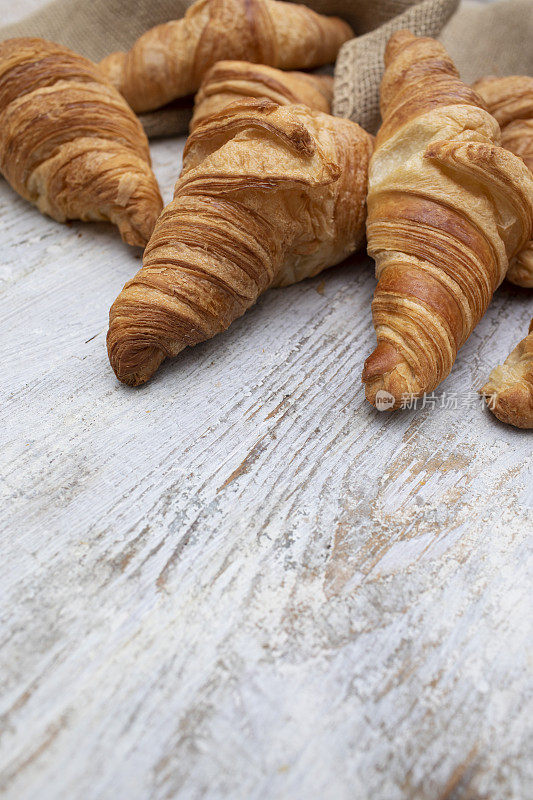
[(240, 581)]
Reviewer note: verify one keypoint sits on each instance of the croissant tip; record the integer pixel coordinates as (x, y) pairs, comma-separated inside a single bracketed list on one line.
[(387, 378), (512, 405), (520, 271), (132, 236), (136, 225), (384, 359), (396, 42), (133, 365), (348, 31)]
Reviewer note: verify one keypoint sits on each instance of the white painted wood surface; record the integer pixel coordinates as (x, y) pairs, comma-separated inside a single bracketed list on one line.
[(240, 581)]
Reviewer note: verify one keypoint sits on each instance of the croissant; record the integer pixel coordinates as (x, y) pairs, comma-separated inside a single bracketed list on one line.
[(70, 144), (509, 389), (230, 81), (170, 60), (510, 101), (447, 209), (268, 195)]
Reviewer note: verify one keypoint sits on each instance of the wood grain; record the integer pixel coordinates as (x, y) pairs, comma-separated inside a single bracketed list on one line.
[(241, 581)]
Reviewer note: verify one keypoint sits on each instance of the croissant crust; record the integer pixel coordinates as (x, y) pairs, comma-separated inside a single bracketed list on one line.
[(70, 144), (447, 209), (268, 195), (509, 389), (228, 82), (170, 60), (510, 100)]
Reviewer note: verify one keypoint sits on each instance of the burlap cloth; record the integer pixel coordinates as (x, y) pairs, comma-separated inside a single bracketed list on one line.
[(483, 38)]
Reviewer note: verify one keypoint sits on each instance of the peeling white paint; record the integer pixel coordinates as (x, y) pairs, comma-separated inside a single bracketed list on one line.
[(240, 581)]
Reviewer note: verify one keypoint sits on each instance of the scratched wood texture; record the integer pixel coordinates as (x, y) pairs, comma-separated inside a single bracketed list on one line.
[(240, 582)]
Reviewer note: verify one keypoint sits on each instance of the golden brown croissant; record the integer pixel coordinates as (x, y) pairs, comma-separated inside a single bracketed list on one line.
[(510, 101), (447, 209), (268, 195), (230, 81), (509, 389), (170, 60), (70, 144)]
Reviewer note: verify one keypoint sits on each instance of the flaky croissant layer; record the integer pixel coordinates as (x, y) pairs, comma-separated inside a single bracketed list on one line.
[(170, 60), (70, 144), (447, 209), (268, 195), (509, 389), (510, 100), (229, 82)]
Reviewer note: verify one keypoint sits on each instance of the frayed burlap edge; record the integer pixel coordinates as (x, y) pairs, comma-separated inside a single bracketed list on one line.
[(359, 66)]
